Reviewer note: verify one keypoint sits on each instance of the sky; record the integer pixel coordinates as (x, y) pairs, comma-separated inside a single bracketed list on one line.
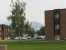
[(34, 9)]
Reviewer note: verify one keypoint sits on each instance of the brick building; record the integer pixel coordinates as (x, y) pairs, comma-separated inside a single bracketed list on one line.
[(4, 29), (55, 21)]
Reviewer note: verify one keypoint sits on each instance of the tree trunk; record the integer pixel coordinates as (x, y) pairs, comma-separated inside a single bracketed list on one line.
[(19, 36)]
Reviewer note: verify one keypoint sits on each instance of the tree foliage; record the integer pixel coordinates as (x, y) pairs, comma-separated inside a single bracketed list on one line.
[(17, 16), (41, 31), (29, 30)]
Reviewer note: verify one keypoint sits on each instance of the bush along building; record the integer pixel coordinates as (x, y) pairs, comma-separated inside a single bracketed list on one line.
[(55, 21)]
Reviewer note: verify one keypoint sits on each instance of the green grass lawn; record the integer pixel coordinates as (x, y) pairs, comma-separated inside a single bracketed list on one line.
[(36, 45)]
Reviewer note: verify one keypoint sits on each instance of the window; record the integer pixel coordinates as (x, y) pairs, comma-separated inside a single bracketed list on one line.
[(57, 27), (57, 16)]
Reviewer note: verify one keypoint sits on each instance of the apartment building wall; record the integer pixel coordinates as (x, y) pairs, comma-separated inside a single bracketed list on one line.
[(49, 23)]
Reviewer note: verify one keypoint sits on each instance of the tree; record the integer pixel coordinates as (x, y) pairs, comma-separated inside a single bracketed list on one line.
[(29, 30), (41, 31), (17, 16)]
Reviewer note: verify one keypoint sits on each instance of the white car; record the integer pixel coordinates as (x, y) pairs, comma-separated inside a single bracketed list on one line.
[(24, 38), (16, 38)]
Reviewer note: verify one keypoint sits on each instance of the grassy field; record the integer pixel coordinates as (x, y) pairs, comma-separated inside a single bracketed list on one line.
[(37, 45)]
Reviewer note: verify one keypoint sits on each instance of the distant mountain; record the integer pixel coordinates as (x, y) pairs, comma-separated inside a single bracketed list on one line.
[(36, 25)]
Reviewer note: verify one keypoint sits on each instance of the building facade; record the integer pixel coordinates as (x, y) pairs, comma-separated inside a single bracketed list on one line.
[(55, 21), (4, 30)]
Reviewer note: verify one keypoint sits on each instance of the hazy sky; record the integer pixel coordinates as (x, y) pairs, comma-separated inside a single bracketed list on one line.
[(34, 9)]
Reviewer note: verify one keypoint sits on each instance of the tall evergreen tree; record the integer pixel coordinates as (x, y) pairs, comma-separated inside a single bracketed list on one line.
[(17, 16)]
